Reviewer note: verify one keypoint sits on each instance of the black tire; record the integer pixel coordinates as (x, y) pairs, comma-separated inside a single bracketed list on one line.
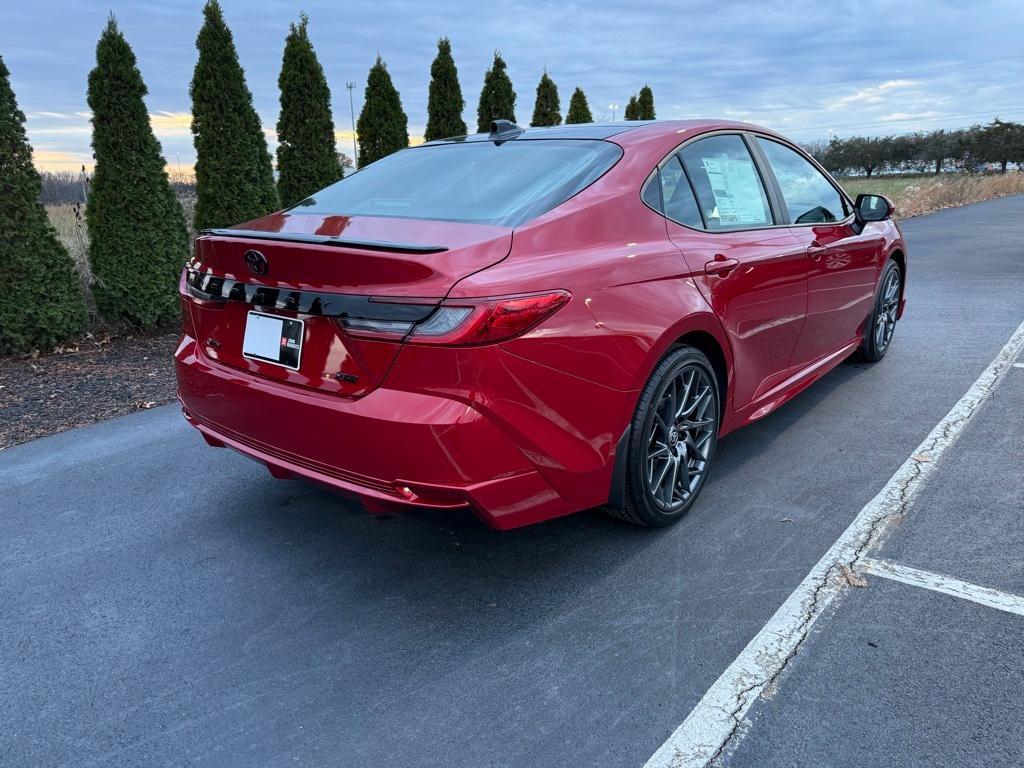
[(652, 501), (881, 324)]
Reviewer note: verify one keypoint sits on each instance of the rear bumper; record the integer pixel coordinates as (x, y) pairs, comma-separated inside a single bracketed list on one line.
[(390, 448)]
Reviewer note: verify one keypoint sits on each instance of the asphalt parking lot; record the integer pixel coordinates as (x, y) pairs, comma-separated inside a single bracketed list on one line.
[(166, 603)]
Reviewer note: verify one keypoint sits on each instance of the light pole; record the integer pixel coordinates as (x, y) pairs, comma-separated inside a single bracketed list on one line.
[(613, 107), (352, 114)]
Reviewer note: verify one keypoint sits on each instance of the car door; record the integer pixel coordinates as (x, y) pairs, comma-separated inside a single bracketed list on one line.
[(842, 263), (752, 272)]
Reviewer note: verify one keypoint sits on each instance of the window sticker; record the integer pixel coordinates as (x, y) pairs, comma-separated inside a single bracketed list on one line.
[(737, 191)]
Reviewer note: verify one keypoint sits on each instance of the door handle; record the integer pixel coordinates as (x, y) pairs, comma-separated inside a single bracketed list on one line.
[(816, 250), (721, 265)]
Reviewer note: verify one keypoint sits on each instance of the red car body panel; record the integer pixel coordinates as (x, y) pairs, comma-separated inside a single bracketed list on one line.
[(532, 427)]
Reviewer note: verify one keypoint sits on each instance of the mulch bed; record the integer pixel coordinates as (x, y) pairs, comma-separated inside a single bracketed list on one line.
[(101, 377)]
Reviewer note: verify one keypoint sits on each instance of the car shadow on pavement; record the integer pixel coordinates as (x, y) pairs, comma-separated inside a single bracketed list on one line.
[(446, 566)]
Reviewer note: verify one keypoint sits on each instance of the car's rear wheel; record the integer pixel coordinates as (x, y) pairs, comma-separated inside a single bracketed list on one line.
[(882, 323), (672, 439)]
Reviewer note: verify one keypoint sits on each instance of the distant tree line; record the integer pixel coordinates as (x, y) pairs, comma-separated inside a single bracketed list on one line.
[(998, 144), (68, 187)]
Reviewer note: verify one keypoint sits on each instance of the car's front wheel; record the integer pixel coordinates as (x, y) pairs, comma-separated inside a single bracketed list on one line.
[(672, 439), (882, 322)]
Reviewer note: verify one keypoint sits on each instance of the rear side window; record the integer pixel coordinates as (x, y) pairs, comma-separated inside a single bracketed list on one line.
[(670, 193), (680, 204), (652, 192), (485, 182), (808, 195), (729, 188)]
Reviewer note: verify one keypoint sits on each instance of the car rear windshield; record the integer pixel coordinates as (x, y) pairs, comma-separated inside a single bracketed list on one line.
[(482, 182)]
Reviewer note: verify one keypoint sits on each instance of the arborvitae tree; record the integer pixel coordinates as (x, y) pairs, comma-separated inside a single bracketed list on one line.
[(307, 159), (645, 103), (445, 104), (234, 176), (547, 110), (382, 127), (579, 110), (632, 108), (137, 237), (41, 301), (497, 99)]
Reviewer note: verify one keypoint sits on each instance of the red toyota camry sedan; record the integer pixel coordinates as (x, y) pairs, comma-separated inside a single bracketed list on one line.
[(532, 322)]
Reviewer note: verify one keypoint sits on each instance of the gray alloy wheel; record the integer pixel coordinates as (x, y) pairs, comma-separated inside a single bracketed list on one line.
[(679, 438), (882, 322), (885, 319), (672, 439)]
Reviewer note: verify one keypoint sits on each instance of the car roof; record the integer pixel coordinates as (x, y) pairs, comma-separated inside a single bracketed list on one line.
[(624, 131)]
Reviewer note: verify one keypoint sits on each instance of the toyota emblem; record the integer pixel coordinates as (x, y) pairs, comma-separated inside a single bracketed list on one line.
[(256, 262)]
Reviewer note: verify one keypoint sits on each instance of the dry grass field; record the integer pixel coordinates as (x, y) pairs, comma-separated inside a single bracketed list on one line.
[(69, 221), (915, 195)]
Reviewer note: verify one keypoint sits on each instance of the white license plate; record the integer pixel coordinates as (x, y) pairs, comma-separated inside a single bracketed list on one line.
[(273, 339)]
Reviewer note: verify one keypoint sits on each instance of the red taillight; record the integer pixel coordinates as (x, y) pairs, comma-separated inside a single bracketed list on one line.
[(493, 320), (466, 322)]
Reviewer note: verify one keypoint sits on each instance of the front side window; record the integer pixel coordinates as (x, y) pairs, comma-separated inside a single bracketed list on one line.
[(485, 182), (807, 194), (728, 185)]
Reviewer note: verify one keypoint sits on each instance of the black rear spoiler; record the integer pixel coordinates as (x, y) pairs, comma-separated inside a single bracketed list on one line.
[(298, 237)]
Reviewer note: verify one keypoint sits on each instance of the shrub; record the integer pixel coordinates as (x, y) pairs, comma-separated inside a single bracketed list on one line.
[(307, 160), (579, 110), (547, 110), (632, 109), (445, 103), (234, 177), (497, 99), (645, 103), (41, 303), (137, 237), (383, 127)]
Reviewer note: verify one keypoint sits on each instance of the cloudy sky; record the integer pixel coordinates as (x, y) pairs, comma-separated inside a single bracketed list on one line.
[(804, 68)]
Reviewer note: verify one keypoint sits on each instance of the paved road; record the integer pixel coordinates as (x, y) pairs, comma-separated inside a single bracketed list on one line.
[(903, 676), (166, 603)]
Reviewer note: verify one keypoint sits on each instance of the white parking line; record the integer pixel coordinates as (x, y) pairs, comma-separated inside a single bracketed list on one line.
[(1018, 365), (712, 724), (947, 585)]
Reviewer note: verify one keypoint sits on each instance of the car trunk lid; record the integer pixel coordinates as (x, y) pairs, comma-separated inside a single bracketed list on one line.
[(321, 270)]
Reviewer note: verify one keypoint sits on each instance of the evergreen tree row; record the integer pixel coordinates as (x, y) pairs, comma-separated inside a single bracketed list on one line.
[(137, 230)]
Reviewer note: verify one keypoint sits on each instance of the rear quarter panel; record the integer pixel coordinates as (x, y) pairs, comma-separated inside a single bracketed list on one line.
[(570, 397), (632, 292)]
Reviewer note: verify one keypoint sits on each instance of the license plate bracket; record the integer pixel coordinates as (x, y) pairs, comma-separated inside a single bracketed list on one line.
[(273, 339)]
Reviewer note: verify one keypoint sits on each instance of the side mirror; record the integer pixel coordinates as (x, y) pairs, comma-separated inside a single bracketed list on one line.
[(872, 208)]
